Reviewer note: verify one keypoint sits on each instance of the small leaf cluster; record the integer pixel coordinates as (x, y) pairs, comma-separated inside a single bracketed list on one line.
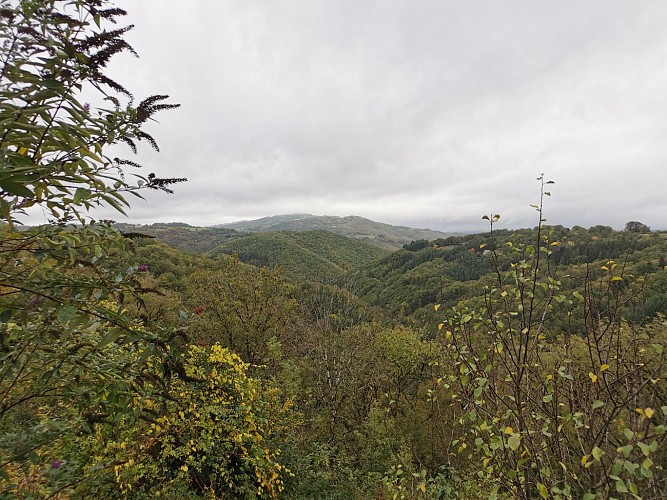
[(212, 435)]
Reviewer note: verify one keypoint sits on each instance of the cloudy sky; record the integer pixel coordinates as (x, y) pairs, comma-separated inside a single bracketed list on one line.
[(421, 113)]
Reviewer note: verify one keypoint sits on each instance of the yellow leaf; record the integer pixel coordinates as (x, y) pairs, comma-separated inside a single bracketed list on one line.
[(508, 430), (542, 490), (440, 326), (593, 376), (604, 367), (584, 459), (648, 412), (436, 307), (22, 150)]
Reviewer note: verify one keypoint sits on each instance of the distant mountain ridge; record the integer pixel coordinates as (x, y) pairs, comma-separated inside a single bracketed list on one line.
[(377, 233)]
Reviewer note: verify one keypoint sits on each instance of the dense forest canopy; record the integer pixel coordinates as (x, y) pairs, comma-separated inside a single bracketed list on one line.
[(510, 364)]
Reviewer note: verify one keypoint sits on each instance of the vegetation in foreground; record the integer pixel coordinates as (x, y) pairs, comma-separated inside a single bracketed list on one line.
[(517, 364)]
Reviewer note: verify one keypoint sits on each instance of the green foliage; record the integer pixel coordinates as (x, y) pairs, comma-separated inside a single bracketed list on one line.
[(405, 358), (72, 359), (413, 246), (412, 483), (313, 255), (213, 435), (384, 236), (546, 380), (407, 281), (411, 282), (198, 240), (69, 369), (637, 227), (166, 263), (53, 146), (574, 417), (78, 372), (241, 306)]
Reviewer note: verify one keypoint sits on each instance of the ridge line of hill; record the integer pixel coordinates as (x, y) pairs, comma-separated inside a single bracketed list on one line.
[(377, 233)]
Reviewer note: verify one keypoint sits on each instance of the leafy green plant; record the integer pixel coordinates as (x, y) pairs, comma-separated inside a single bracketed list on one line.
[(575, 416), (212, 436), (240, 306), (53, 145), (72, 360)]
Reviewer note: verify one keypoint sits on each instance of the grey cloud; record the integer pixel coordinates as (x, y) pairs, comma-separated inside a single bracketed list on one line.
[(428, 113)]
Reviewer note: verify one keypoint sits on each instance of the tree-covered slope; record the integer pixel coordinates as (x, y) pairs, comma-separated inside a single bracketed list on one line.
[(313, 255), (183, 236), (449, 270)]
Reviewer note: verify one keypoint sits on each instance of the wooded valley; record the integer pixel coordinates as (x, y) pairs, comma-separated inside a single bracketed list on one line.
[(360, 374), (172, 361)]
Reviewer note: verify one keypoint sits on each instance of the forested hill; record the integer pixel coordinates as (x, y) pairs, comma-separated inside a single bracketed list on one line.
[(133, 369), (360, 381), (310, 255), (182, 236), (379, 234), (449, 270), (321, 256)]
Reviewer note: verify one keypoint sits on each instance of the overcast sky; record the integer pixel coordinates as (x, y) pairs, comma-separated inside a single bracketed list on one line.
[(421, 113)]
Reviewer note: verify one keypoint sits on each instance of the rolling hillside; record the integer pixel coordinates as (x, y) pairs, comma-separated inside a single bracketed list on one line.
[(311, 255), (183, 236), (457, 268), (379, 234)]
